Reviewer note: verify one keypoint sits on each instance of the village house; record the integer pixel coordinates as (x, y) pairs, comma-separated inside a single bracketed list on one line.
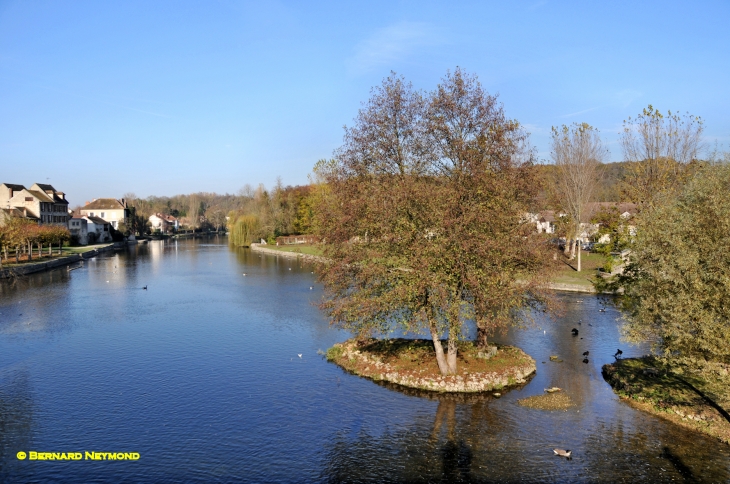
[(545, 221), (98, 229), (110, 209), (164, 223), (40, 202), (79, 229), (7, 213)]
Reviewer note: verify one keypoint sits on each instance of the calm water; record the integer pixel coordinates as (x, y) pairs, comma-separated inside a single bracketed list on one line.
[(200, 374)]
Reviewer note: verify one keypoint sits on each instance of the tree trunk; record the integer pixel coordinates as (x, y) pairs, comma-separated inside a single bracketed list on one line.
[(440, 358), (451, 356), (566, 249), (579, 250), (482, 340), (50, 249), (60, 244), (30, 251)]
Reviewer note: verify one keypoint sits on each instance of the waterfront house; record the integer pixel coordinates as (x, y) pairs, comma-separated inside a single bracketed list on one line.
[(40, 202), (110, 209), (79, 228), (7, 213), (164, 223), (98, 229)]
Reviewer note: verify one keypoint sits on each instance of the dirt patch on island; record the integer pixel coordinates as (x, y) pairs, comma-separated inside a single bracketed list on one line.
[(412, 363)]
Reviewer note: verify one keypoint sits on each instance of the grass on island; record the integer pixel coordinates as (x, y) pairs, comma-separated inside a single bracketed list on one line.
[(297, 248), (549, 401), (697, 401), (417, 358)]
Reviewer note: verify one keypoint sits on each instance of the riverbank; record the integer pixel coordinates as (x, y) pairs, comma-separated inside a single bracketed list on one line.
[(291, 254), (648, 385), (412, 363), (15, 270)]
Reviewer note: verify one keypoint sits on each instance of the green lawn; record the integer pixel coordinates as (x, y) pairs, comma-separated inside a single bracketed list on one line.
[(568, 274), (82, 249), (298, 248), (65, 251)]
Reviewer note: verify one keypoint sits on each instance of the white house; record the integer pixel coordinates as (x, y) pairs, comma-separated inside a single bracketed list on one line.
[(110, 209), (98, 229), (79, 228), (164, 223)]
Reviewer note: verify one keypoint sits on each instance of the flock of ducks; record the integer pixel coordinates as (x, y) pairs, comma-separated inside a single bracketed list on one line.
[(567, 453)]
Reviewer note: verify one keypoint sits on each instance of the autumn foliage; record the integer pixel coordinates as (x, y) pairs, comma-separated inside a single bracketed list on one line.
[(424, 217), (20, 234)]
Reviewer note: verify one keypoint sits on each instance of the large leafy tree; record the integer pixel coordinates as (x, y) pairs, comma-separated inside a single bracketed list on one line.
[(676, 290), (424, 216)]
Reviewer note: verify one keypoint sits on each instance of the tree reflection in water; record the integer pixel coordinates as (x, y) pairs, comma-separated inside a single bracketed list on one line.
[(444, 454), (471, 438)]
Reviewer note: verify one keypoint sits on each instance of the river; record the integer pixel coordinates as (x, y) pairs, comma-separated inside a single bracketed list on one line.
[(201, 375)]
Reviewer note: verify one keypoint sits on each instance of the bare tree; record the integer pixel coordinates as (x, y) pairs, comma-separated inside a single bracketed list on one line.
[(662, 149), (194, 211), (577, 151)]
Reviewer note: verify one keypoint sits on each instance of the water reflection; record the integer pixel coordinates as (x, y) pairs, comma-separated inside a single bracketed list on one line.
[(16, 419), (200, 374), (474, 439)]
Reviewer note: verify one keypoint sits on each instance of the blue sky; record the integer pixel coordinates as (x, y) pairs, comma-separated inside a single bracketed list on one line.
[(165, 97)]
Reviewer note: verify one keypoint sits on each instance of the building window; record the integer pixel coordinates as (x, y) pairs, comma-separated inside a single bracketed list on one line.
[(28, 199), (101, 215)]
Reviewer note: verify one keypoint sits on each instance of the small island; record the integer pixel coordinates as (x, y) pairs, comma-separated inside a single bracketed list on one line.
[(690, 400), (410, 363)]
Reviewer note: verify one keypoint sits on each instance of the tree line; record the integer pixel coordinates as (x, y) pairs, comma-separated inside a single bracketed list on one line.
[(422, 210), (20, 235), (282, 210)]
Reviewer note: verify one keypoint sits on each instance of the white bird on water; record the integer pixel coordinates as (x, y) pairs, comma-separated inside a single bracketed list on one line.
[(563, 453), (299, 355)]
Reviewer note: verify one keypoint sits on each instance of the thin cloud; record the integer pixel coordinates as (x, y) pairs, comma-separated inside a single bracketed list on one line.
[(391, 44), (580, 112)]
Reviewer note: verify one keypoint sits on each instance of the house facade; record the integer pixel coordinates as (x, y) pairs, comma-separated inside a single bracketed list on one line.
[(79, 228), (164, 223), (109, 209), (40, 202), (545, 221), (98, 229)]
